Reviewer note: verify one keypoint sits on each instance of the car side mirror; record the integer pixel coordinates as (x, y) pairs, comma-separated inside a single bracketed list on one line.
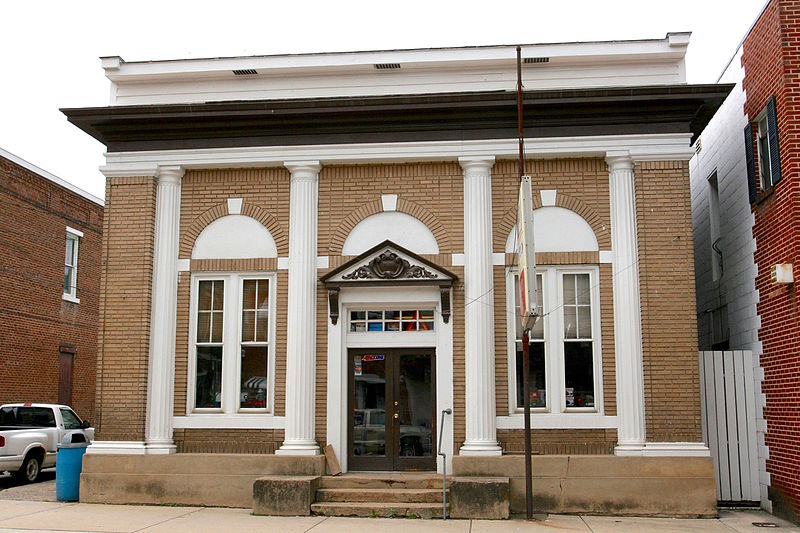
[(85, 424)]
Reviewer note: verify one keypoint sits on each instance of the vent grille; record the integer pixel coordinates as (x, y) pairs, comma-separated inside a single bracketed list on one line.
[(387, 66), (245, 72), (529, 60)]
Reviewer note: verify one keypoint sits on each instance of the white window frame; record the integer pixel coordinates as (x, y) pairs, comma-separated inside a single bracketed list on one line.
[(762, 132), (72, 294), (552, 286), (231, 344)]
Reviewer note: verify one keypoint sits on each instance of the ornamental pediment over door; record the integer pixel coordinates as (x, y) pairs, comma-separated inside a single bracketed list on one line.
[(385, 265)]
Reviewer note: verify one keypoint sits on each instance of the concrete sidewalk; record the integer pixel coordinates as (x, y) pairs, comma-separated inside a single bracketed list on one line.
[(54, 516)]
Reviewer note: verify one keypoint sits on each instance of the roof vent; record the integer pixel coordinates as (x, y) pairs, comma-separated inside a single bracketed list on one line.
[(245, 72), (387, 66), (529, 60)]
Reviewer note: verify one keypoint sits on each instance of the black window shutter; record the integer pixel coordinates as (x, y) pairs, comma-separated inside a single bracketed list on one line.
[(750, 158), (772, 131)]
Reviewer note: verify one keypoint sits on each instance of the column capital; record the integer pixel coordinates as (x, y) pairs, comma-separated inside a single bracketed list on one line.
[(308, 170), (619, 160), (484, 162), (170, 173)]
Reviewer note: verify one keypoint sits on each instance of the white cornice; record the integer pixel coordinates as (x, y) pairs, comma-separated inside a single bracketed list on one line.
[(665, 147)]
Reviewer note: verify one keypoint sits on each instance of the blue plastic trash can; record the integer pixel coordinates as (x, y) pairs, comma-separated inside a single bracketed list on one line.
[(69, 462)]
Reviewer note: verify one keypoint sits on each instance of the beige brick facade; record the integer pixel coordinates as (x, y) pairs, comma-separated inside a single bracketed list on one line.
[(126, 286), (433, 193)]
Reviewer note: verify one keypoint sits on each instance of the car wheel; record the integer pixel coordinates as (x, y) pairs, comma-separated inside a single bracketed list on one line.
[(30, 469)]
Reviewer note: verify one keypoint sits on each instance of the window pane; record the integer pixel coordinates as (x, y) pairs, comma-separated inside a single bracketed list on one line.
[(585, 322), (358, 326), (536, 376), (249, 294), (204, 295), (579, 374), (426, 314), (426, 326), (219, 295), (392, 315), (263, 294), (253, 392), (375, 326), (44, 417), (409, 326), (375, 315), (392, 326), (569, 289), (262, 323), (358, 315), (216, 326), (249, 325), (570, 323), (203, 327), (68, 279), (70, 420), (409, 315), (68, 260), (209, 376), (584, 294)]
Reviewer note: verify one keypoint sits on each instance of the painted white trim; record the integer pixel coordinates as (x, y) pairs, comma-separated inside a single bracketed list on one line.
[(229, 421), (323, 262), (70, 298), (498, 259), (51, 177), (606, 257), (675, 449), (184, 265), (283, 263), (457, 259), (558, 421), (389, 202), (652, 147), (73, 231), (339, 339), (116, 447), (234, 206), (548, 197)]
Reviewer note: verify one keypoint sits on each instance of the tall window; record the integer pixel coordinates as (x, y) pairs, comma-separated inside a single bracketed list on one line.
[(71, 265), (210, 321), (232, 359), (564, 343)]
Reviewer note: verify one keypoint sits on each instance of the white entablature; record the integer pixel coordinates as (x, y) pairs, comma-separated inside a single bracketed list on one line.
[(393, 72)]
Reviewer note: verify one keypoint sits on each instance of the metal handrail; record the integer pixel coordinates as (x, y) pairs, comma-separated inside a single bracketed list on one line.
[(447, 411)]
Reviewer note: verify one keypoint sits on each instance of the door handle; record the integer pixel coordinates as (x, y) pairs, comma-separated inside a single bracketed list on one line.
[(396, 404), (396, 415)]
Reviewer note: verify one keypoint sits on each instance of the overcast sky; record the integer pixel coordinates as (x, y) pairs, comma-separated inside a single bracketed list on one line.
[(49, 50)]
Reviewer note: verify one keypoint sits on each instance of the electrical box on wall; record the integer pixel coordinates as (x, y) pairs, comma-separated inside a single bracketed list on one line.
[(782, 274)]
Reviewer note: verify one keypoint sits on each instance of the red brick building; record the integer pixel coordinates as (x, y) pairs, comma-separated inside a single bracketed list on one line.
[(50, 262), (771, 57)]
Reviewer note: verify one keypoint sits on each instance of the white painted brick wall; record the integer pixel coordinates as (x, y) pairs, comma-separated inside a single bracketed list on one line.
[(723, 150)]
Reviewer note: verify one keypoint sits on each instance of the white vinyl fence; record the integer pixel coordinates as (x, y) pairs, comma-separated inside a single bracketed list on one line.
[(727, 385)]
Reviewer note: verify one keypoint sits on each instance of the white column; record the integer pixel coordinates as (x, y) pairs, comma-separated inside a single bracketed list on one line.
[(627, 308), (161, 367), (301, 324), (481, 430)]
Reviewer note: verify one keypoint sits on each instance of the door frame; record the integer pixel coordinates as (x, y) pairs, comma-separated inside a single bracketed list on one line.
[(393, 460), (339, 341)]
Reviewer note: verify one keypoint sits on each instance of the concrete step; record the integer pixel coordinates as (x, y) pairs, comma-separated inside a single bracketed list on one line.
[(378, 510), (382, 481), (361, 495)]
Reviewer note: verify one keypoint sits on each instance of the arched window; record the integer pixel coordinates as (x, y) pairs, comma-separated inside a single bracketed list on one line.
[(397, 227)]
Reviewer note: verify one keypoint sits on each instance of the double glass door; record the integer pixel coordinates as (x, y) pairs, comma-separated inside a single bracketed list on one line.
[(391, 400)]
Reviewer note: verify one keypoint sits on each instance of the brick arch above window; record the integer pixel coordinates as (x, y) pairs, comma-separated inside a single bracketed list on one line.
[(602, 230), (376, 206), (220, 210)]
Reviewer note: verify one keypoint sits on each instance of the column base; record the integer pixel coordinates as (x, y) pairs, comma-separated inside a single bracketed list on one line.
[(160, 448), (299, 447), (490, 448), (629, 450), (116, 447)]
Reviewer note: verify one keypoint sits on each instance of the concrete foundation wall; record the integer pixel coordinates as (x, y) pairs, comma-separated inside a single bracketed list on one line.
[(215, 480), (597, 484)]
